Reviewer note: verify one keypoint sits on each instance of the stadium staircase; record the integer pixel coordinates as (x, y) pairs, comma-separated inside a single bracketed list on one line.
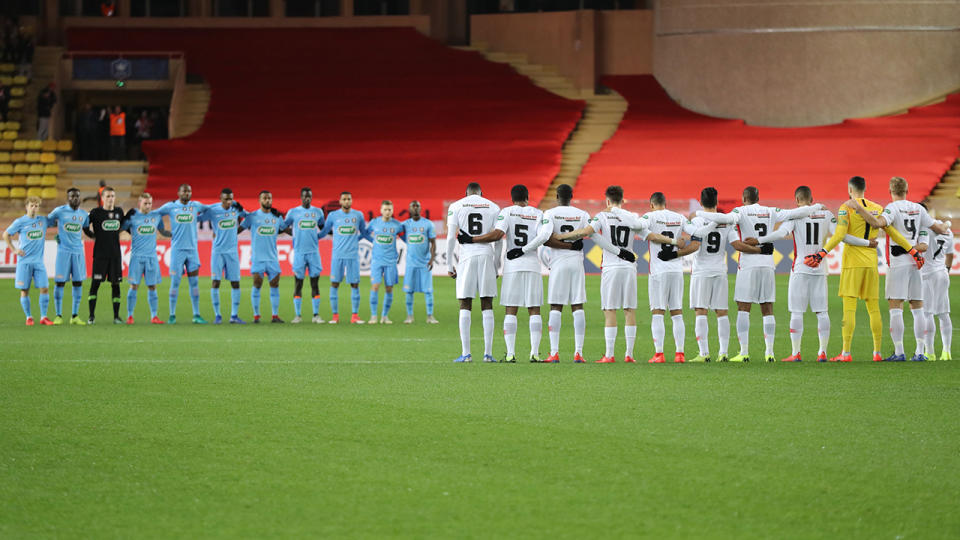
[(193, 109), (945, 200), (382, 112)]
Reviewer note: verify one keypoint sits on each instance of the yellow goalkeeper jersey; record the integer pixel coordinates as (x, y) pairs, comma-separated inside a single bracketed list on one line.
[(850, 222)]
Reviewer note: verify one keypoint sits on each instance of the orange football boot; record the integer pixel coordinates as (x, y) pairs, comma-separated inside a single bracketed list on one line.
[(657, 359)]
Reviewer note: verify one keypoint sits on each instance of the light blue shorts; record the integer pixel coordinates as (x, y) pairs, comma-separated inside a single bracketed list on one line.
[(226, 265), (182, 258), (303, 261), (27, 271), (70, 267), (148, 267), (345, 270), (418, 279), (269, 268)]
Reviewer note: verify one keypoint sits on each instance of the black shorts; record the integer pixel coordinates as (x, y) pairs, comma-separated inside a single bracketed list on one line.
[(108, 269)]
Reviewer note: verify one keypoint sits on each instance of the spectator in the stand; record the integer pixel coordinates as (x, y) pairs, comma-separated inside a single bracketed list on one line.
[(108, 8), (4, 101), (118, 134), (45, 102), (144, 127)]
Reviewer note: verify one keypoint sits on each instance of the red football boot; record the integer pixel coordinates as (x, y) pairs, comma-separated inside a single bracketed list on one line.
[(130, 320), (156, 320), (46, 322), (679, 358), (29, 321), (657, 359), (629, 360), (606, 360), (877, 357), (841, 358), (335, 319), (355, 319), (578, 359), (552, 359), (792, 358), (822, 357)]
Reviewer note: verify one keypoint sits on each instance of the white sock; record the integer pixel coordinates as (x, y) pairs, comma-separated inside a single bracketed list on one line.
[(488, 325), (659, 331), (946, 332), (536, 333), (702, 330), (796, 332), (579, 329), (465, 331), (769, 332), (553, 328), (743, 332), (679, 332), (630, 333), (610, 337), (919, 328), (930, 335), (896, 330), (823, 331), (723, 334), (510, 334)]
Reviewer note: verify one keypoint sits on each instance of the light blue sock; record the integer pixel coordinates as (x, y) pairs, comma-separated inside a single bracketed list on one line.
[(25, 304), (77, 295), (387, 302), (374, 300), (275, 301), (297, 305), (234, 302), (315, 301), (194, 294), (44, 301), (174, 291), (154, 300), (215, 300), (255, 300), (428, 296), (334, 300), (58, 300), (131, 301), (409, 304), (355, 299)]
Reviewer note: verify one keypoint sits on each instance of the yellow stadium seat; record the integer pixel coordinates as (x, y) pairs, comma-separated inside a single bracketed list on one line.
[(51, 168), (9, 135), (4, 157), (48, 180), (49, 145), (13, 125), (49, 193), (33, 157), (18, 193), (34, 145), (20, 80), (6, 145), (33, 180), (65, 146), (17, 157), (18, 180), (47, 157), (16, 91), (21, 168), (6, 168), (6, 181), (3, 126), (4, 193), (36, 168), (7, 68), (16, 103), (20, 144), (6, 80), (34, 192)]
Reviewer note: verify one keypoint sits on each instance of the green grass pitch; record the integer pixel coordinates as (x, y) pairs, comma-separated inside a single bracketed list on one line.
[(279, 431)]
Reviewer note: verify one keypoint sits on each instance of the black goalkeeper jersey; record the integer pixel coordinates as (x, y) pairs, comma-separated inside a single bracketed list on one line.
[(105, 228)]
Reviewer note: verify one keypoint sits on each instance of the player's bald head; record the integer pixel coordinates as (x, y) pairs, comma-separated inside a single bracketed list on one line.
[(473, 188)]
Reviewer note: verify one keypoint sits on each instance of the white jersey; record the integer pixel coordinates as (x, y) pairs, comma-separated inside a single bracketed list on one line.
[(566, 219), (618, 226), (520, 225), (912, 221), (939, 246), (809, 236), (711, 258), (669, 224), (475, 216), (756, 221)]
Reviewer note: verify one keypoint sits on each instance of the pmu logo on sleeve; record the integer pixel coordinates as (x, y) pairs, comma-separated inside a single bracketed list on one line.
[(111, 225)]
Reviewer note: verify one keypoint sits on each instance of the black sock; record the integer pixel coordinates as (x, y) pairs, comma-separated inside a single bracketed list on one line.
[(315, 287), (92, 297), (298, 287), (115, 290)]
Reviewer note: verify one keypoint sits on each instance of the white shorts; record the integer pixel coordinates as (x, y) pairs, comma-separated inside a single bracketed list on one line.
[(522, 289), (936, 296), (665, 291), (618, 288), (904, 283), (756, 285), (709, 292), (566, 285), (476, 276), (807, 290)]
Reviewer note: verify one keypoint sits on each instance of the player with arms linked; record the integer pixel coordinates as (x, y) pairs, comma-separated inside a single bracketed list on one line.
[(71, 264), (143, 224), (225, 219), (421, 239), (105, 224), (305, 222)]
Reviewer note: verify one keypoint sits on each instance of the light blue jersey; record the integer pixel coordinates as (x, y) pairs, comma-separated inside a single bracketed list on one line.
[(264, 228), (417, 234), (143, 230), (183, 223), (385, 235), (70, 224), (347, 228), (226, 224), (32, 231), (306, 223)]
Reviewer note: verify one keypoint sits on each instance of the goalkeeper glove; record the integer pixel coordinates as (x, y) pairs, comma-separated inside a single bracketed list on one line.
[(577, 245), (917, 257), (514, 253), (814, 260), (627, 256), (766, 249), (464, 238)]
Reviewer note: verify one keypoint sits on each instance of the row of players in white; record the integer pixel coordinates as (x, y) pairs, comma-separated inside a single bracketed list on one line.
[(613, 230)]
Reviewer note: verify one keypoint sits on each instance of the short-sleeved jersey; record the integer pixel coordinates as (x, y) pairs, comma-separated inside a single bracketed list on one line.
[(385, 235), (183, 222), (143, 230), (711, 258), (264, 228), (809, 236), (226, 226), (618, 225), (912, 221), (566, 219), (306, 224), (106, 226), (347, 228), (70, 224), (475, 216), (850, 222), (520, 225), (938, 247), (32, 231), (755, 221), (418, 233), (669, 224)]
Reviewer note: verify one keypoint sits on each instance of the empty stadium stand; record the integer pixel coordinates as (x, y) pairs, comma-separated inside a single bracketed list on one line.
[(384, 113), (662, 147)]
